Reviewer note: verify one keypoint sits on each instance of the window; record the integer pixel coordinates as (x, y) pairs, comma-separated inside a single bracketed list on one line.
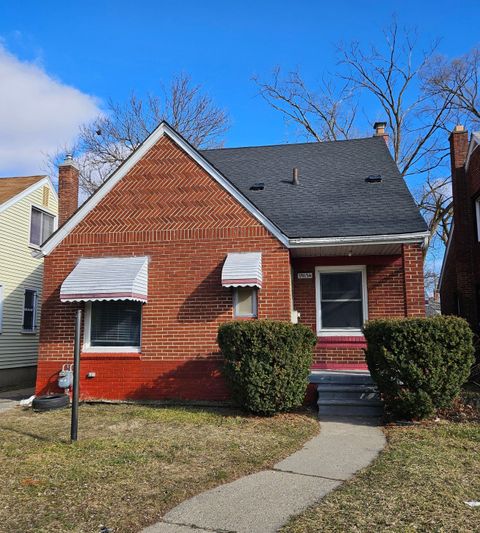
[(114, 325), (341, 300), (29, 310), (41, 226), (244, 302)]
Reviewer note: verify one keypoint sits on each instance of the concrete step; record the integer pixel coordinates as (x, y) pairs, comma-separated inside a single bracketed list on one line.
[(346, 378), (347, 387), (348, 395), (353, 401), (349, 411)]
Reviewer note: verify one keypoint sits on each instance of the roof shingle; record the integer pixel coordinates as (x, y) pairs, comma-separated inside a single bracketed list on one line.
[(332, 198), (10, 187)]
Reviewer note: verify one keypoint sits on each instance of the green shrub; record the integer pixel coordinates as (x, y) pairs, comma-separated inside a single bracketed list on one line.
[(419, 364), (267, 363)]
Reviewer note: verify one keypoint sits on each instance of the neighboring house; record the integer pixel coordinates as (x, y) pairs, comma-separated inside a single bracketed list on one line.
[(432, 307), (178, 241), (460, 276), (28, 210)]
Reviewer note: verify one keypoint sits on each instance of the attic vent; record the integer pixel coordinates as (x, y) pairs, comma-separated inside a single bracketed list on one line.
[(257, 187), (374, 178)]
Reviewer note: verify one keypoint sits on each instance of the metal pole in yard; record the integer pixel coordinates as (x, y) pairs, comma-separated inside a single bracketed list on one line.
[(76, 377)]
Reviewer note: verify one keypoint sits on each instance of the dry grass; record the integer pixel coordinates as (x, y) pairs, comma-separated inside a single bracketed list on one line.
[(131, 464), (419, 483)]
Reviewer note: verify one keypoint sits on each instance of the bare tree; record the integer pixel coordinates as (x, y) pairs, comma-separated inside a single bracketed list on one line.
[(436, 203), (106, 142), (458, 80), (393, 77), (327, 114)]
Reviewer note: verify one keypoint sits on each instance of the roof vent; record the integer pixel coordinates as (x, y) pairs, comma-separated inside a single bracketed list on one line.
[(374, 178), (295, 179), (257, 187)]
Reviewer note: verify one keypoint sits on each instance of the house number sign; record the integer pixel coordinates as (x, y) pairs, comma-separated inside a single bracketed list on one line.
[(305, 275)]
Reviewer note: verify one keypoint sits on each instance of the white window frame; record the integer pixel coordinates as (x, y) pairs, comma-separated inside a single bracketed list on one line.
[(46, 212), (477, 213), (32, 331), (331, 332), (255, 303), (88, 348)]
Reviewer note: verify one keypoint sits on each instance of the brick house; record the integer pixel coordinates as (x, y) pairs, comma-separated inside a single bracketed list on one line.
[(460, 275), (178, 241)]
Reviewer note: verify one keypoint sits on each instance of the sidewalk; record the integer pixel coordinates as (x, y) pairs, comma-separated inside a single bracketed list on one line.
[(9, 399), (263, 502)]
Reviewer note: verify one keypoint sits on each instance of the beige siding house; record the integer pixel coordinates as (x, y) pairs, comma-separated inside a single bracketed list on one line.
[(28, 215)]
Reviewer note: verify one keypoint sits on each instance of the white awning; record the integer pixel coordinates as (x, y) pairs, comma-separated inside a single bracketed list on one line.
[(242, 270), (107, 278)]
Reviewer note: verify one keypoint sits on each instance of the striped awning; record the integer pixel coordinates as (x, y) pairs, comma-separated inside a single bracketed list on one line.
[(107, 278), (242, 270)]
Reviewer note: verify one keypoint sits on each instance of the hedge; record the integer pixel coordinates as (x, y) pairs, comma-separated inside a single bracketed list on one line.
[(267, 363), (419, 364)]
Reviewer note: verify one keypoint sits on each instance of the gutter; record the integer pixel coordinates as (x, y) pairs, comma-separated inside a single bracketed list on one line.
[(402, 238)]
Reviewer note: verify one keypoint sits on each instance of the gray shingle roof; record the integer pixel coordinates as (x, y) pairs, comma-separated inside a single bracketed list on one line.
[(332, 199)]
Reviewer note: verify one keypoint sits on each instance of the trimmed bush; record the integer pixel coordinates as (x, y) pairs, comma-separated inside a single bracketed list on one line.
[(267, 363), (419, 364)]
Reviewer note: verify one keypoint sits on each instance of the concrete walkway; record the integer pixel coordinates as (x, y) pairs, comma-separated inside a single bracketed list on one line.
[(263, 502), (9, 399)]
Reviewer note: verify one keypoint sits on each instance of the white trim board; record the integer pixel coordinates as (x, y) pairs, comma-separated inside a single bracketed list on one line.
[(402, 238), (166, 129), (44, 181)]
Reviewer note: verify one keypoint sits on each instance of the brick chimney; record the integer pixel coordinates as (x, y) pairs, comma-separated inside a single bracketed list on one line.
[(458, 147), (458, 155), (464, 220), (68, 172), (379, 128)]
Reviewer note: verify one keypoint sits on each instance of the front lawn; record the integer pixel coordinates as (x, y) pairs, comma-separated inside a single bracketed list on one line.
[(419, 483), (131, 464)]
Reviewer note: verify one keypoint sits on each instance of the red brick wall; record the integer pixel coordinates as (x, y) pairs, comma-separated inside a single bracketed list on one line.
[(169, 209), (461, 276), (392, 292)]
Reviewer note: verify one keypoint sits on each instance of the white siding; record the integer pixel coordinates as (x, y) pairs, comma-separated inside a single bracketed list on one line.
[(20, 271)]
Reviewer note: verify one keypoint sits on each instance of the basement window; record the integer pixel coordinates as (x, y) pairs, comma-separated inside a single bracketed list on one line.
[(341, 300), (41, 226)]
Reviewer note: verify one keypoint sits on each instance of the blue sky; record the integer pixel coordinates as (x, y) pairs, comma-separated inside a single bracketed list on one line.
[(106, 49)]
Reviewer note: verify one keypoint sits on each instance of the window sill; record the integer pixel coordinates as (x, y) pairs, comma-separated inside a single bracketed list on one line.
[(90, 355), (111, 349), (27, 332), (340, 333)]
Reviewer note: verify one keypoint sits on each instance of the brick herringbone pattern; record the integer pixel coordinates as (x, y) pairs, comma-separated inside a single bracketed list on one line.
[(169, 209), (166, 191)]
